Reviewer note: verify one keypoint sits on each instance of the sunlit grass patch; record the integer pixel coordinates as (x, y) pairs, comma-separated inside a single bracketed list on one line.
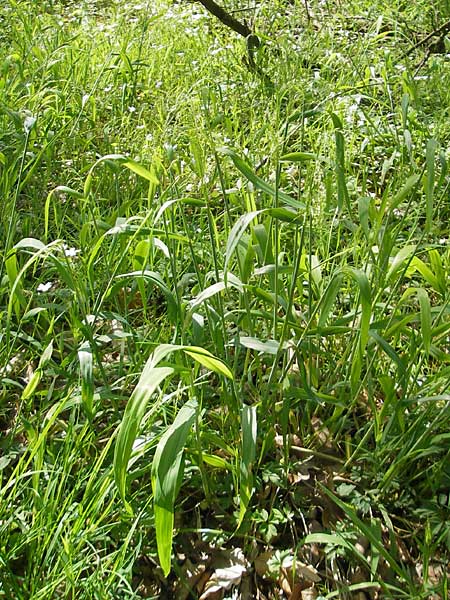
[(223, 299)]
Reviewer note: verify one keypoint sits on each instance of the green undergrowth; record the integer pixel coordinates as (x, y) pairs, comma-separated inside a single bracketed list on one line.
[(224, 300)]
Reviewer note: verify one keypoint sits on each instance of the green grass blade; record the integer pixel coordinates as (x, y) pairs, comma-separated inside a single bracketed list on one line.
[(150, 379), (365, 297), (403, 193), (236, 234), (140, 170), (167, 472), (209, 361), (259, 183), (329, 298), (249, 433), (429, 181), (369, 533)]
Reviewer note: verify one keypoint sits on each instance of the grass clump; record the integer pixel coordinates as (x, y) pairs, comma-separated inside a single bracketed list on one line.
[(224, 302)]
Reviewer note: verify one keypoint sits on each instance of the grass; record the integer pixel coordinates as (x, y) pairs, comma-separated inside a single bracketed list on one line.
[(224, 301)]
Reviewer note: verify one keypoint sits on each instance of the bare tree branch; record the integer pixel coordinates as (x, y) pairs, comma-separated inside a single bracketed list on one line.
[(227, 19)]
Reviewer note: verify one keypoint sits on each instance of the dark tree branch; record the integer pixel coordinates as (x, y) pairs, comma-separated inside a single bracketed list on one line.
[(252, 40), (440, 32), (227, 19)]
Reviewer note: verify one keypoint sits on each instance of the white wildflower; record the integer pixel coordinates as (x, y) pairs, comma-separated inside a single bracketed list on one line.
[(29, 123), (44, 287)]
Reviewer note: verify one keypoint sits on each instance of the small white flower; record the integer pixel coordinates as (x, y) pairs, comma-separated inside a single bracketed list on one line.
[(132, 109), (69, 252), (29, 123), (44, 287)]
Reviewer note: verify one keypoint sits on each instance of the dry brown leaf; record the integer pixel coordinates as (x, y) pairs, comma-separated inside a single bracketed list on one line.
[(309, 594), (191, 576), (228, 571), (260, 564)]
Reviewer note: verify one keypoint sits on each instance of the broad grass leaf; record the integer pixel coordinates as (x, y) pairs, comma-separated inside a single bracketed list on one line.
[(32, 385), (17, 297), (268, 347), (208, 292), (167, 472), (140, 170), (425, 314), (401, 195), (30, 244), (149, 380), (202, 356), (157, 280), (399, 259), (329, 298), (390, 352), (342, 191), (429, 181), (265, 250), (216, 461), (288, 215), (189, 201), (248, 453), (363, 211), (299, 157), (259, 183), (365, 297), (235, 235), (419, 265), (440, 276), (208, 360)]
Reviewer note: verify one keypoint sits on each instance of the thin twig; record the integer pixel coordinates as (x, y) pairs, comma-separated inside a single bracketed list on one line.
[(439, 32)]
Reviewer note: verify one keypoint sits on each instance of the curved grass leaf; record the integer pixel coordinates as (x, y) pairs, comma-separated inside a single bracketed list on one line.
[(268, 347), (399, 259), (167, 473), (149, 380), (235, 235), (417, 264), (365, 297), (259, 183), (208, 292), (329, 298), (157, 280), (425, 314), (140, 170), (299, 157), (410, 184), (209, 361)]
